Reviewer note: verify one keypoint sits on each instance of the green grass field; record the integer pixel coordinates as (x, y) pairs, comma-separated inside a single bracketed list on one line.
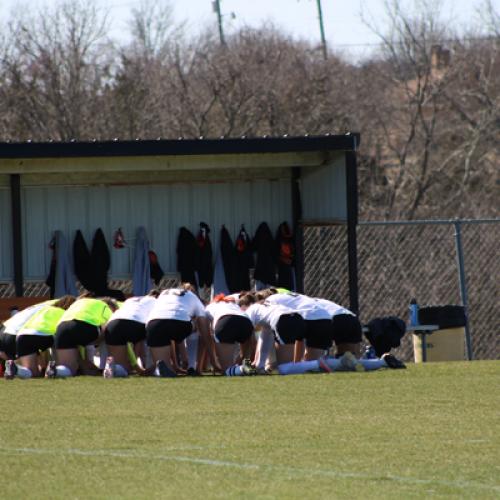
[(430, 430)]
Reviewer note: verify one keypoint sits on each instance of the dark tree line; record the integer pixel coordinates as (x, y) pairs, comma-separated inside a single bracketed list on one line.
[(427, 103)]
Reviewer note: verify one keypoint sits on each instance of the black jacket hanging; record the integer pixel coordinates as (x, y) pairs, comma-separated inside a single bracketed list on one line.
[(205, 256), (228, 260), (155, 270), (286, 254), (243, 260), (187, 256), (81, 261), (100, 262), (91, 268), (265, 248), (51, 278)]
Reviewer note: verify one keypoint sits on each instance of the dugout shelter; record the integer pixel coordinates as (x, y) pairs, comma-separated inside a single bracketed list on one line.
[(163, 185)]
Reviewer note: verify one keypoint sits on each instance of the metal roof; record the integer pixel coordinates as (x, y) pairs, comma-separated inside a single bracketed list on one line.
[(181, 146)]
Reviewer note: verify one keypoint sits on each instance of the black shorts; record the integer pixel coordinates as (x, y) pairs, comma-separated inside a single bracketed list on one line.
[(121, 331), (160, 332), (74, 333), (31, 344), (346, 329), (319, 333), (233, 328), (8, 345), (290, 327)]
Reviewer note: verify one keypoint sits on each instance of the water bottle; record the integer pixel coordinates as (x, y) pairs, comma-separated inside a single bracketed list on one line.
[(413, 312), (370, 353)]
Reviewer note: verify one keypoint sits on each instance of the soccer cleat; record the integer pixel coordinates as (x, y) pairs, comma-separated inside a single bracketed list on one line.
[(393, 362), (191, 372), (10, 369), (51, 371), (349, 363), (163, 370), (247, 368), (264, 371), (323, 365), (109, 368)]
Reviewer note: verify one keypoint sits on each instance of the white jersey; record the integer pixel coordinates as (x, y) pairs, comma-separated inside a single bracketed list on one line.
[(267, 314), (333, 308), (177, 304), (215, 311), (14, 324), (307, 307), (135, 309)]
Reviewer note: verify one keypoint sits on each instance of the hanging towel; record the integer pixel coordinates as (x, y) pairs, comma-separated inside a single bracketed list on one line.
[(264, 246), (61, 279), (141, 279), (228, 255), (187, 256), (205, 268)]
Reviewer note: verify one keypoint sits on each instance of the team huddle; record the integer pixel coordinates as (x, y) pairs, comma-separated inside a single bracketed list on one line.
[(171, 332)]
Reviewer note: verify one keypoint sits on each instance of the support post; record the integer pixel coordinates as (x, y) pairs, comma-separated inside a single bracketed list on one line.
[(216, 7), (17, 242), (463, 285), (352, 222), (297, 229), (322, 30)]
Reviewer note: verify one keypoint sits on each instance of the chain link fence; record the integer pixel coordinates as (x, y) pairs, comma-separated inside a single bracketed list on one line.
[(401, 260)]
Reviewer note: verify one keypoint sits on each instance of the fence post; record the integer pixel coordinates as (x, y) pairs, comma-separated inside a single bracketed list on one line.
[(463, 285)]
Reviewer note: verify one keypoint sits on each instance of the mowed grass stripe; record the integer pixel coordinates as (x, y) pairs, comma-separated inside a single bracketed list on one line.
[(428, 430)]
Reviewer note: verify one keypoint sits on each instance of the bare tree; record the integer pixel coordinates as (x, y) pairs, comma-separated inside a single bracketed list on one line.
[(419, 139), (55, 70)]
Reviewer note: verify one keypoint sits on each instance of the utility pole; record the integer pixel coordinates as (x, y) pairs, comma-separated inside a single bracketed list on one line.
[(216, 8), (322, 30)]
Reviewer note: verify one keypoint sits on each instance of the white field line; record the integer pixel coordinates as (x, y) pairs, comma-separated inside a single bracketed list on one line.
[(292, 471)]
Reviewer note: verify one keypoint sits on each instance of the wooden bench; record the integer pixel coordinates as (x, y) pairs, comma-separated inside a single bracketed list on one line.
[(20, 302)]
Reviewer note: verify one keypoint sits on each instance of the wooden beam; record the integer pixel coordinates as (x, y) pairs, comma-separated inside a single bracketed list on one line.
[(153, 177), (162, 163), (17, 241)]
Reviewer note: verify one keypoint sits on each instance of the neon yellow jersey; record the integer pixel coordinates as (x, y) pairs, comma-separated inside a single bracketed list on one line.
[(16, 323), (283, 290), (44, 321), (92, 311)]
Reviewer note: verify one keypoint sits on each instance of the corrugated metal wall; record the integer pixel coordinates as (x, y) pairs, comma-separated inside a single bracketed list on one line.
[(324, 191), (162, 209), (6, 267)]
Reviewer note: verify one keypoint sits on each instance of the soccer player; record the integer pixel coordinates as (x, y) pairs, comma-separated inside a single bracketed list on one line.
[(35, 336), (170, 321), (126, 325), (318, 333), (230, 325), (279, 323), (80, 325), (346, 328)]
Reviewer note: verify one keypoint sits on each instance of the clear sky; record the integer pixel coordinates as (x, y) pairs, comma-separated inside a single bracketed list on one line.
[(343, 25)]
